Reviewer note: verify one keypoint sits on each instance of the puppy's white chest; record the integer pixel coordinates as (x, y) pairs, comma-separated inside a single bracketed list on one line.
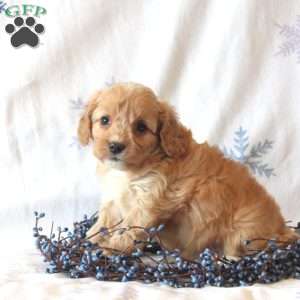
[(114, 186), (127, 193)]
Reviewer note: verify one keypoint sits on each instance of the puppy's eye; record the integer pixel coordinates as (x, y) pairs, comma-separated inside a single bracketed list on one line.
[(104, 120), (141, 127)]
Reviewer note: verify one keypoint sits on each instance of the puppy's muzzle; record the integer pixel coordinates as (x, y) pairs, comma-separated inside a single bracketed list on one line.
[(116, 148)]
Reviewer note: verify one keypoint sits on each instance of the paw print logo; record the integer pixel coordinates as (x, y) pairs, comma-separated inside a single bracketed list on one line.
[(24, 32)]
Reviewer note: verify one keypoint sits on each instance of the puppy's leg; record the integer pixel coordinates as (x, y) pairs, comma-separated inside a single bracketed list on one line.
[(255, 228), (137, 217), (247, 241), (109, 215)]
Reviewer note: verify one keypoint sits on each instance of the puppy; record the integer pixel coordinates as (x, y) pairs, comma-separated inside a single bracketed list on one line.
[(153, 171)]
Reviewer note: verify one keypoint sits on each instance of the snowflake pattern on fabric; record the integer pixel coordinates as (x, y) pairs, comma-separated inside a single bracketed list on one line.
[(111, 81), (75, 143), (291, 36), (252, 158), (77, 104)]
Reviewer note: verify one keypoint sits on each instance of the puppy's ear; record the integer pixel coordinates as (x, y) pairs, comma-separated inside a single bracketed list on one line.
[(84, 130), (175, 138)]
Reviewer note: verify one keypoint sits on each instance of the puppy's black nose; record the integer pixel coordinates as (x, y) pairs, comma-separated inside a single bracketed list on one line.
[(116, 148)]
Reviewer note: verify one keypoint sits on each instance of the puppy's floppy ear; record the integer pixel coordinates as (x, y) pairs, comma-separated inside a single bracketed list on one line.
[(175, 138), (84, 130)]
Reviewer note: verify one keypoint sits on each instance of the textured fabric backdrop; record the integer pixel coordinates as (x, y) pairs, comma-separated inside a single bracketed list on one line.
[(231, 68)]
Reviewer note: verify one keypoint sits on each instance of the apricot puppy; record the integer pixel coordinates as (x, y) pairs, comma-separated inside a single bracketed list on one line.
[(152, 171)]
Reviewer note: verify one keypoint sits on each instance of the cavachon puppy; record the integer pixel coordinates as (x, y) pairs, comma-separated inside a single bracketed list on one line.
[(152, 172)]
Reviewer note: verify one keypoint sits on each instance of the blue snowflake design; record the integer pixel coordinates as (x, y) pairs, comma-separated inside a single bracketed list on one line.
[(252, 158), (77, 104), (110, 82), (291, 43), (75, 143)]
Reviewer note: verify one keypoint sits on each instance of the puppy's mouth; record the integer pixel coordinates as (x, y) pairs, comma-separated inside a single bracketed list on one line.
[(115, 162), (114, 158)]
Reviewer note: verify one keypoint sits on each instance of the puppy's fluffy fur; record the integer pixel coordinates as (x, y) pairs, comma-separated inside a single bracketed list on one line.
[(164, 176)]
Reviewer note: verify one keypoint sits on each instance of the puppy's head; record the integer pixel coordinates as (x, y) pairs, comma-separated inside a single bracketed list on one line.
[(129, 126)]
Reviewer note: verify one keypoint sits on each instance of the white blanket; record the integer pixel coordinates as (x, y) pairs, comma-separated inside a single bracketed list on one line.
[(232, 70)]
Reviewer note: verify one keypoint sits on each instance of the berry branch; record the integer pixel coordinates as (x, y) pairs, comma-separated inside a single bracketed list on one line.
[(151, 262)]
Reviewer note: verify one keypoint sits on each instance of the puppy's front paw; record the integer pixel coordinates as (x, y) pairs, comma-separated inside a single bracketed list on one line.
[(96, 234), (123, 243), (93, 238), (107, 252)]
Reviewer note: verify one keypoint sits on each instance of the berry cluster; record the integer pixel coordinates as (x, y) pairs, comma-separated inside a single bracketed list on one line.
[(70, 252)]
